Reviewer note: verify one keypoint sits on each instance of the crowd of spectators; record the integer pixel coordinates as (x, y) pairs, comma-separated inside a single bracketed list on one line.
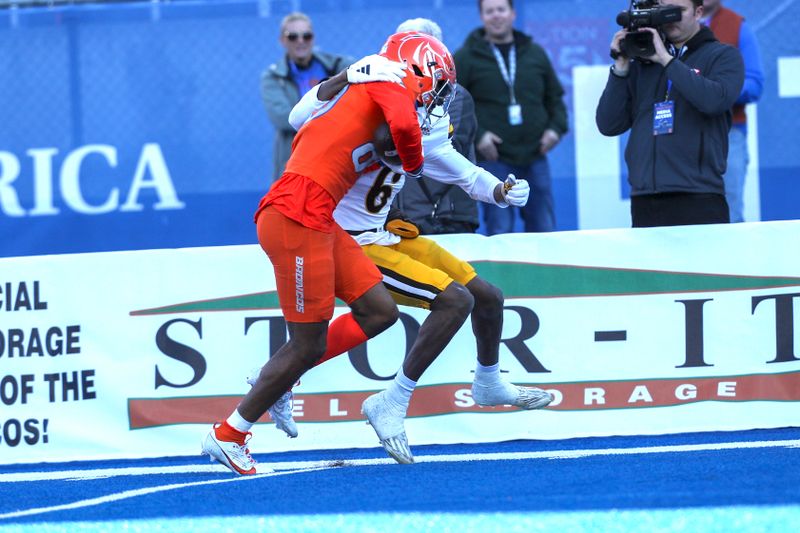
[(509, 113)]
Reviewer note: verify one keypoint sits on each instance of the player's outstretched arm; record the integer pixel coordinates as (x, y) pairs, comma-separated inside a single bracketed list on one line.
[(331, 87), (303, 109), (401, 116), (366, 70), (444, 164)]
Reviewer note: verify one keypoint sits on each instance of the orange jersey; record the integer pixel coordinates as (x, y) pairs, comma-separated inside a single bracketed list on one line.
[(335, 145), (302, 200)]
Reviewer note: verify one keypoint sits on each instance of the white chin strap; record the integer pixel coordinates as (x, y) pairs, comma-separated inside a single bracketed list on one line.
[(437, 108)]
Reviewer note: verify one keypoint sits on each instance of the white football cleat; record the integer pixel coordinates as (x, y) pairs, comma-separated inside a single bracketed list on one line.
[(281, 411), (388, 424), (252, 377), (503, 393), (230, 454)]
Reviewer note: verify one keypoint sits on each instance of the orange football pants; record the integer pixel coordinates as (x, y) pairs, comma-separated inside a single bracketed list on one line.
[(313, 268)]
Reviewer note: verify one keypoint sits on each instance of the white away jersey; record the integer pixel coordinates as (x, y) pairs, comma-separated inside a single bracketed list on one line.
[(366, 205)]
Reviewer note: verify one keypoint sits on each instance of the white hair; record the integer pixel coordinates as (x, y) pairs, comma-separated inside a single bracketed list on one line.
[(421, 25)]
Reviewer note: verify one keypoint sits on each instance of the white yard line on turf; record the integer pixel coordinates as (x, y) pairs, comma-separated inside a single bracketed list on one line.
[(297, 466), (124, 495)]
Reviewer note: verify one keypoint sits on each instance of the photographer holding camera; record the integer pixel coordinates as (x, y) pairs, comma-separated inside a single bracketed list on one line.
[(677, 103)]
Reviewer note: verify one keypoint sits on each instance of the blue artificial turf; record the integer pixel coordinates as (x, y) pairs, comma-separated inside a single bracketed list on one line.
[(670, 480)]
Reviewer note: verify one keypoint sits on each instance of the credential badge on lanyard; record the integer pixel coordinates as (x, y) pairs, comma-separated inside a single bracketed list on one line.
[(509, 75), (664, 114)]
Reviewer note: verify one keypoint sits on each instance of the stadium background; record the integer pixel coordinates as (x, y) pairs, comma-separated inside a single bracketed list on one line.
[(98, 100), (139, 125)]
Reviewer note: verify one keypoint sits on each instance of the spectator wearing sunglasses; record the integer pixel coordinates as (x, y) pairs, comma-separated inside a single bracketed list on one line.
[(287, 80)]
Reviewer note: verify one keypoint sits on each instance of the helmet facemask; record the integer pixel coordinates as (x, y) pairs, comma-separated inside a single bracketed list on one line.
[(436, 102)]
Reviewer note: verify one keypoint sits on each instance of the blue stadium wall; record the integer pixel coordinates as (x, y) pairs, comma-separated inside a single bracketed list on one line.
[(135, 126)]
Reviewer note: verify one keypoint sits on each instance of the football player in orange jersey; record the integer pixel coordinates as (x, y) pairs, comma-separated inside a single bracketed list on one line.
[(420, 273), (314, 259)]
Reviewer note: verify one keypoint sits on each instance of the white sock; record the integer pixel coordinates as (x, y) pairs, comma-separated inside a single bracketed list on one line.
[(487, 374), (399, 391), (489, 387), (236, 421)]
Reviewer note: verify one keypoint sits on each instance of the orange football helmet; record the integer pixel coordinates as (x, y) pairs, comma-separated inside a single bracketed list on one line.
[(431, 72)]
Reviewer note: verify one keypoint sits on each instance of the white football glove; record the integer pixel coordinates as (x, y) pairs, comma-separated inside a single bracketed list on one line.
[(375, 68), (516, 191)]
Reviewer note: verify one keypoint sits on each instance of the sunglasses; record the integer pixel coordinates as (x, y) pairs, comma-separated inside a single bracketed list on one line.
[(307, 36)]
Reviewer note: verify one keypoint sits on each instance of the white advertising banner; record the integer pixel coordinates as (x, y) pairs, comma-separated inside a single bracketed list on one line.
[(635, 331)]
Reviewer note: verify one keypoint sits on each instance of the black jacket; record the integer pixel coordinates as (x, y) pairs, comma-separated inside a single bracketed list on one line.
[(536, 88), (706, 80), (455, 211)]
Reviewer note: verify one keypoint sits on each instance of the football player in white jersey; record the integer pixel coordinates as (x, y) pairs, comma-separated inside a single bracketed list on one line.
[(420, 273)]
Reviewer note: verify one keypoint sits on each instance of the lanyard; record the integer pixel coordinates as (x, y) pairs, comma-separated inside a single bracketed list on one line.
[(510, 74), (679, 54)]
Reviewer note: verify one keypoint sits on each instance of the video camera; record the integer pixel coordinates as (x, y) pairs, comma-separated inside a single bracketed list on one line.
[(644, 14)]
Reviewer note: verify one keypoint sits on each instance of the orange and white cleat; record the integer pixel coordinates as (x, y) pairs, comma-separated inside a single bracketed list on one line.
[(234, 455)]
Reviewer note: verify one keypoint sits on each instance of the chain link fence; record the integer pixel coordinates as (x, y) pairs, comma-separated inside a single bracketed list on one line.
[(184, 75)]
